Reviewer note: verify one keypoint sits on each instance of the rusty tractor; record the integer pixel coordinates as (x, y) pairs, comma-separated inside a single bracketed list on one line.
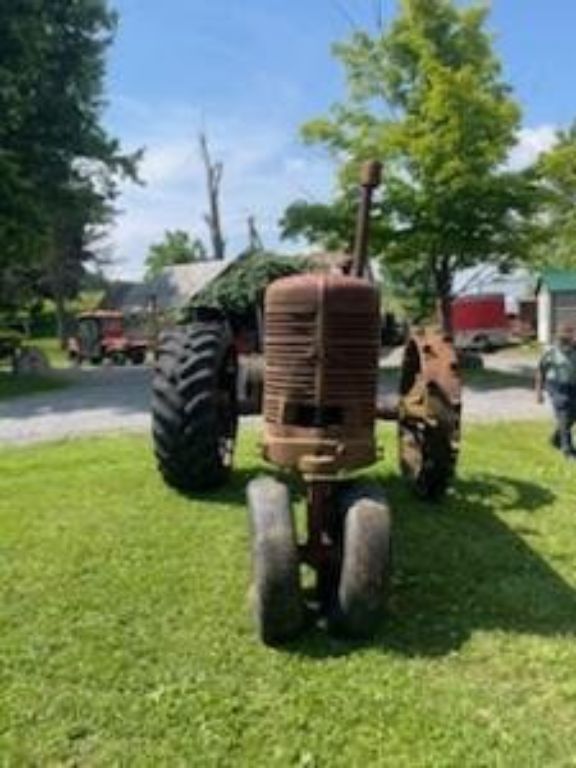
[(320, 408)]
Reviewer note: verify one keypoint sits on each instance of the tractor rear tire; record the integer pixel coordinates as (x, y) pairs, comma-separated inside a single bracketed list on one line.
[(194, 417), (277, 600), (366, 568)]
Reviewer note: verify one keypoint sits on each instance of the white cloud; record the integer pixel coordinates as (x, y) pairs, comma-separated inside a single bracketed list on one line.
[(531, 143), (264, 170)]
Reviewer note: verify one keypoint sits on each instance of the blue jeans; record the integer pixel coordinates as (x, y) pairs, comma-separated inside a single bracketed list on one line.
[(563, 397)]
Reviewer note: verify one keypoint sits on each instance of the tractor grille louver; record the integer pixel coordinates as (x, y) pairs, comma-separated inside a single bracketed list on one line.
[(322, 335)]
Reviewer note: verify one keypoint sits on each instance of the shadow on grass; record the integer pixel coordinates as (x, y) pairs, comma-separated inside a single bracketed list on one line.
[(459, 569)]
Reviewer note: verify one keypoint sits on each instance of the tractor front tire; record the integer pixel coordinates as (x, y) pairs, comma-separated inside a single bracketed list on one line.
[(366, 562), (194, 417), (277, 601)]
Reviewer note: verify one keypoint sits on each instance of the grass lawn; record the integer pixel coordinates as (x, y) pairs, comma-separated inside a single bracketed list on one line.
[(27, 384), (126, 640), (57, 356)]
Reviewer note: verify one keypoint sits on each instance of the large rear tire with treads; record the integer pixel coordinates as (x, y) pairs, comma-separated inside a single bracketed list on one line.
[(194, 416)]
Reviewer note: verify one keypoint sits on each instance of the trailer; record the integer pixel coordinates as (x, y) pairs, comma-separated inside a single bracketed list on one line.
[(480, 322)]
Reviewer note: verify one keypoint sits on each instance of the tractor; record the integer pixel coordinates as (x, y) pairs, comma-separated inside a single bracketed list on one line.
[(101, 335), (321, 403)]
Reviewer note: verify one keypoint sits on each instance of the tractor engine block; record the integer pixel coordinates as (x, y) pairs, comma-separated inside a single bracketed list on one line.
[(321, 342)]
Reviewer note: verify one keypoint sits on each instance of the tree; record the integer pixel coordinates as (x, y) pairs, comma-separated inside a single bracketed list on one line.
[(177, 248), (330, 225), (426, 96), (255, 242), (556, 174), (58, 165), (214, 172)]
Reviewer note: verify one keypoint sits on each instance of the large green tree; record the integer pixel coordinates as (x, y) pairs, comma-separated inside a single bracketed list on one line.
[(426, 96), (177, 247), (556, 174), (59, 168)]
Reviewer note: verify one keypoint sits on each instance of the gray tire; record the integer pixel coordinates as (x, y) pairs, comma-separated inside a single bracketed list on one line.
[(276, 597), (366, 562)]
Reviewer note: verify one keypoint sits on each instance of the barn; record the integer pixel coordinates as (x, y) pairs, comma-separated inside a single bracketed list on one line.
[(556, 292)]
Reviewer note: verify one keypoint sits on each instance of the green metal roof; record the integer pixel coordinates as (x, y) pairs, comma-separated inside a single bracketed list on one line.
[(559, 280)]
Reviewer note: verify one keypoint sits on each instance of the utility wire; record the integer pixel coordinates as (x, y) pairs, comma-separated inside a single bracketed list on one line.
[(346, 14)]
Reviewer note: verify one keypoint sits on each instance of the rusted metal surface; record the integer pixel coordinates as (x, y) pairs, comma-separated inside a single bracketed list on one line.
[(322, 549), (370, 179), (429, 411), (321, 342)]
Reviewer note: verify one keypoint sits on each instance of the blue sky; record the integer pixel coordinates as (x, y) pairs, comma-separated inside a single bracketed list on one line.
[(251, 72)]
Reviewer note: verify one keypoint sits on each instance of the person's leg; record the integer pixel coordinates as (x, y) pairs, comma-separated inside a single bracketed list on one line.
[(572, 419), (556, 401), (564, 426), (555, 441)]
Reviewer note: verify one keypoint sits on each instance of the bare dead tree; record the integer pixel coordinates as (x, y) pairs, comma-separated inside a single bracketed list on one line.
[(255, 243), (214, 171)]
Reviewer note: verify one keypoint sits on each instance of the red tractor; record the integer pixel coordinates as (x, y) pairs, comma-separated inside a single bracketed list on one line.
[(322, 335), (101, 335)]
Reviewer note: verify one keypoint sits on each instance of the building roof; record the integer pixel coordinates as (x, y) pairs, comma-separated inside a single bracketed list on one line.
[(171, 289), (558, 280), (175, 286), (516, 284)]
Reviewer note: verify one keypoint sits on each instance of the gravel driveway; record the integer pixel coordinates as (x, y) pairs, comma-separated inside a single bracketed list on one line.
[(110, 399), (97, 400)]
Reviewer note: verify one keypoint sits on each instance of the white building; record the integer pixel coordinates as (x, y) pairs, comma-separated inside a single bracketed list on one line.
[(556, 302)]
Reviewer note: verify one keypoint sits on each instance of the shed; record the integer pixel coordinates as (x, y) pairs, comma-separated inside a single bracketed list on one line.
[(173, 288), (556, 292), (169, 291)]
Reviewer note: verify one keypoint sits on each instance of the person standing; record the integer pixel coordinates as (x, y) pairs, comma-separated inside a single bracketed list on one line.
[(556, 374)]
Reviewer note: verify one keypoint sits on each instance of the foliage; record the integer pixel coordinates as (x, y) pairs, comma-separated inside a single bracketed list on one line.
[(332, 225), (556, 173), (127, 639), (242, 286), (59, 168), (426, 96), (176, 248)]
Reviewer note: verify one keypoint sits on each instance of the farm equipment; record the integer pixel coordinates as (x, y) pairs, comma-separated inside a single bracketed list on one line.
[(320, 395), (101, 335)]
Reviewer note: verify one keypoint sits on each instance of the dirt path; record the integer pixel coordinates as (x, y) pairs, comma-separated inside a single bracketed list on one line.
[(97, 400), (117, 399)]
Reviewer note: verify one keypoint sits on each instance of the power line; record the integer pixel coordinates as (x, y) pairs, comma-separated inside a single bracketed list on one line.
[(345, 13)]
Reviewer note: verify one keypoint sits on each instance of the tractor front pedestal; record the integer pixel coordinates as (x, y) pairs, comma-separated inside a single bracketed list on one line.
[(323, 549)]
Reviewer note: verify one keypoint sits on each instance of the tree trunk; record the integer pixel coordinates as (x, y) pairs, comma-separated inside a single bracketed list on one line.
[(60, 307), (214, 173), (445, 313), (444, 297)]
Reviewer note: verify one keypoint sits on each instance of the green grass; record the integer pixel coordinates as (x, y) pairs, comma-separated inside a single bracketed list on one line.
[(12, 385), (51, 347), (126, 639)]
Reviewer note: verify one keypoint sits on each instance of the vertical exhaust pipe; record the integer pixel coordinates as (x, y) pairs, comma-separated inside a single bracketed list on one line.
[(371, 177)]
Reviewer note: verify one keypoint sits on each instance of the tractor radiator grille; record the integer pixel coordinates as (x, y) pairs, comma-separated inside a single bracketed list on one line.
[(321, 352)]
